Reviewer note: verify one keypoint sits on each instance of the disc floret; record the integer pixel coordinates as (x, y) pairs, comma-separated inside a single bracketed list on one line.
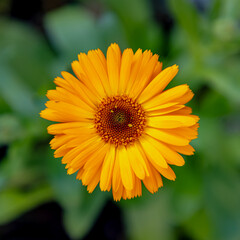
[(120, 120)]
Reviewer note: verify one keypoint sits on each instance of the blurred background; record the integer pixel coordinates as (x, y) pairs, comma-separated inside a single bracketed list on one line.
[(39, 39)]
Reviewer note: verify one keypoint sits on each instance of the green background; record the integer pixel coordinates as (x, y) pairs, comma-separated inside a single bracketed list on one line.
[(204, 201)]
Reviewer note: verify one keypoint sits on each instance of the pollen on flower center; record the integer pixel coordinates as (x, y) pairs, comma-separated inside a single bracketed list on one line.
[(120, 120)]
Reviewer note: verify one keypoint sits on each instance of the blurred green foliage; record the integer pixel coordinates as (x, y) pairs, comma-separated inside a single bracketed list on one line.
[(203, 202)]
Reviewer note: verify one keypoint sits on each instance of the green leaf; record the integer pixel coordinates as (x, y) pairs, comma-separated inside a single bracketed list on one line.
[(188, 18), (10, 129), (19, 168), (149, 219), (125, 8), (72, 30), (214, 10), (18, 96), (211, 102), (13, 202), (222, 196), (210, 141), (226, 84), (232, 150), (25, 52), (107, 24), (199, 226), (80, 208), (230, 9), (187, 190), (136, 17), (79, 219)]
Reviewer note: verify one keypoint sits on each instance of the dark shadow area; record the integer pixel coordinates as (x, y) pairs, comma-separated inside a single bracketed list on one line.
[(3, 151), (45, 223), (109, 225), (42, 223)]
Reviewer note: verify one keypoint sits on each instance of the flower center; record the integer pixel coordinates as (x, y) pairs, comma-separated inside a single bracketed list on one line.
[(120, 120)]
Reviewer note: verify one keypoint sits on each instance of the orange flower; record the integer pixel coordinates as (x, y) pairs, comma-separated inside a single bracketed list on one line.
[(118, 127)]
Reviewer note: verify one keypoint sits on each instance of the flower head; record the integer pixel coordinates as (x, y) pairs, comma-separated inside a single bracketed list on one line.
[(118, 126)]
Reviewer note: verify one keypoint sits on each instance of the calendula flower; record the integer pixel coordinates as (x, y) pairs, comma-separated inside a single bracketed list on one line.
[(118, 126)]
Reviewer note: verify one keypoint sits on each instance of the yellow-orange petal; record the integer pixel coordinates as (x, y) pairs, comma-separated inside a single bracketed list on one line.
[(92, 167), (68, 111), (171, 121), (163, 111), (94, 181), (107, 169), (186, 97), (170, 95), (90, 178), (186, 132), (157, 85), (78, 88), (125, 169), (99, 63), (94, 81), (125, 70), (63, 83), (59, 140), (58, 128), (157, 70), (152, 153), (171, 156), (96, 159), (61, 151), (186, 150), (116, 178), (167, 173), (137, 162), (136, 64), (77, 158), (117, 195), (113, 67), (164, 136), (144, 74), (153, 181), (53, 115)]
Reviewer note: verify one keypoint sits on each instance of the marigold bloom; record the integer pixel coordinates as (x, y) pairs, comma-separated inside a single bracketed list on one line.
[(118, 127)]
